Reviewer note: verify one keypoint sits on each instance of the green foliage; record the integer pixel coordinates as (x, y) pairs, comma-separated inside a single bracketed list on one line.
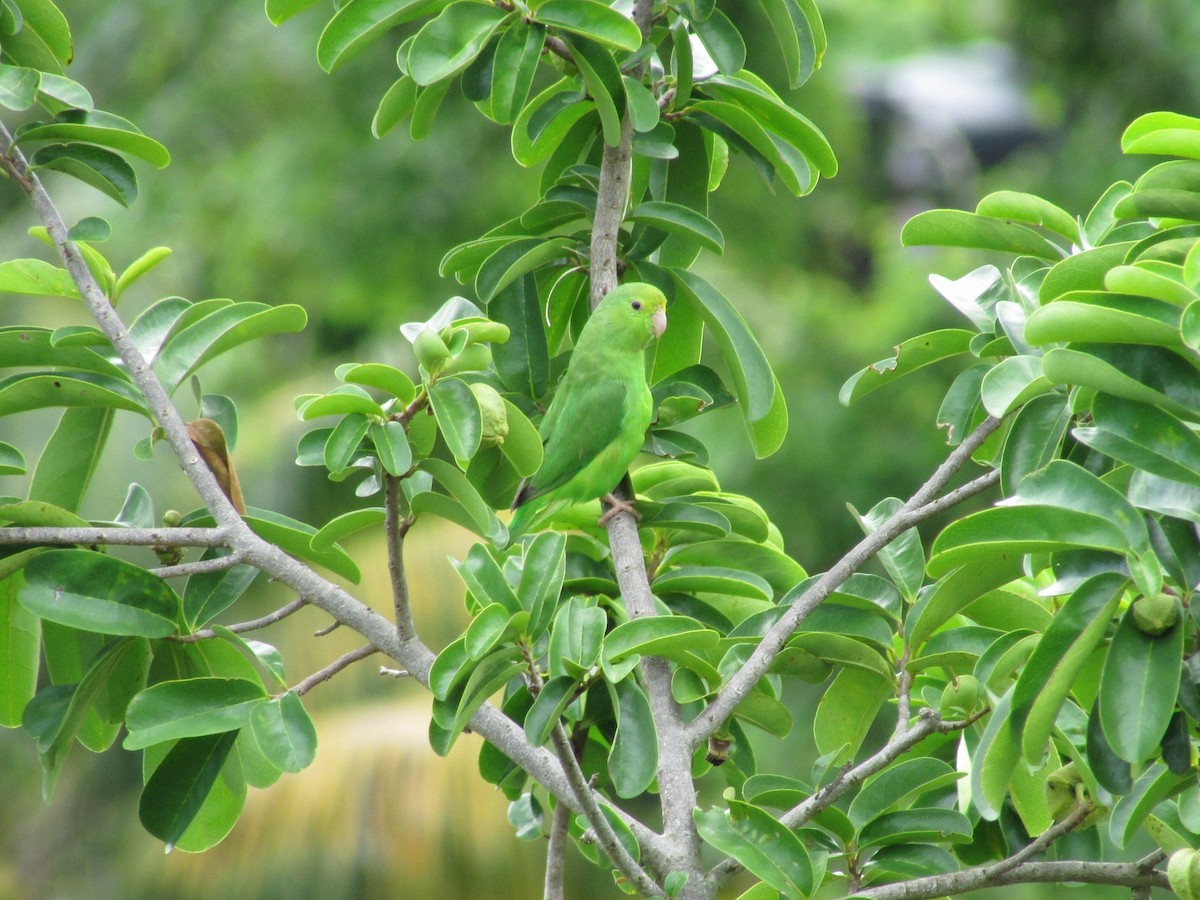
[(1046, 636)]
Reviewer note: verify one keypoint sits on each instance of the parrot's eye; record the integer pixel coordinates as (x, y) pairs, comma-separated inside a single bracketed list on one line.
[(636, 304)]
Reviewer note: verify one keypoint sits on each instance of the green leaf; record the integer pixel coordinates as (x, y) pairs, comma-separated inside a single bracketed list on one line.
[(777, 117), (210, 593), (1050, 673), (1143, 436), (19, 393), (446, 45), (543, 569), (795, 37), (633, 759), (678, 219), (1155, 785), (916, 826), (179, 786), (480, 517), (591, 19), (1102, 317), (552, 700), (1021, 529), (1151, 375), (546, 120), (656, 636), (97, 127), (1034, 439), (359, 22), (1011, 383), (33, 276), (735, 123), (514, 68), (1138, 687), (18, 86), (911, 355), (285, 733), (397, 105), (279, 11), (761, 843), (713, 579), (904, 557), (722, 40), (458, 417), (754, 383), (102, 169), (899, 784), (346, 524), (221, 330), (343, 401), (575, 638), (1165, 133), (344, 441), (523, 361), (70, 456), (523, 445), (20, 649), (190, 707), (392, 447), (957, 228), (383, 377), (11, 460), (89, 590), (603, 81), (846, 711), (44, 39), (1019, 207), (993, 761)]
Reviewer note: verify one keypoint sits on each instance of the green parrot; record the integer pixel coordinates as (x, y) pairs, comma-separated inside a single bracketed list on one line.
[(598, 418)]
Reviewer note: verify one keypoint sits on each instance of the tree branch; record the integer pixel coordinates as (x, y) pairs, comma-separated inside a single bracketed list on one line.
[(918, 508), (333, 668), (118, 536), (253, 625), (395, 528), (199, 567), (1017, 869), (556, 854)]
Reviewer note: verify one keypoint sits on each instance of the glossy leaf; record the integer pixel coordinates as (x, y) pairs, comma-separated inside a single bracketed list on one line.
[(911, 355), (106, 171), (761, 843), (898, 784), (591, 19), (191, 707), (554, 697), (1153, 786), (20, 648), (96, 127), (633, 759), (448, 43), (181, 783), (674, 218), (1050, 673), (1138, 687), (1011, 383), (1034, 439), (1144, 436), (846, 711), (89, 590), (1019, 207), (359, 22), (34, 276), (957, 228)]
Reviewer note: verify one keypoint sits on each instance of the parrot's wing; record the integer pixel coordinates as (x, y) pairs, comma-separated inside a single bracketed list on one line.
[(590, 418)]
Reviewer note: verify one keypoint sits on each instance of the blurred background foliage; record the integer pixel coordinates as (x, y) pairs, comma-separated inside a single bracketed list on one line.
[(278, 193)]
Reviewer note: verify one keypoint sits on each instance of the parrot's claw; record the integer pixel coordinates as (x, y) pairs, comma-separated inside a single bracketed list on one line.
[(617, 505)]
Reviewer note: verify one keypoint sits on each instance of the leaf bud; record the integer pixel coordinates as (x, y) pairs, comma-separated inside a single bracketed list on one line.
[(431, 350)]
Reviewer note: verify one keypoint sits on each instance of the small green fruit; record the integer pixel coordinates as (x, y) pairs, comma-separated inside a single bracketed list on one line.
[(1183, 873), (1155, 615), (960, 697), (495, 416)]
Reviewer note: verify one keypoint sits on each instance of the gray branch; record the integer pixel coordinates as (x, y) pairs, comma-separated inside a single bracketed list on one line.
[(199, 567), (116, 535), (556, 854), (918, 508), (253, 625), (333, 668)]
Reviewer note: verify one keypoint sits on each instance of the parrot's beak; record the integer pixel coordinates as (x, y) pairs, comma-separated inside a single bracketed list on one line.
[(660, 321)]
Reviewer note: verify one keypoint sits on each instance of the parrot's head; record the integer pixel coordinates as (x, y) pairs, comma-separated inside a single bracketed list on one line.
[(634, 313)]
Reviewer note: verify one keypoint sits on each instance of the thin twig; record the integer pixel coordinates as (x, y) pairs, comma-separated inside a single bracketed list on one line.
[(395, 527), (200, 566), (118, 536), (205, 634), (333, 668), (918, 508), (328, 629), (556, 854)]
